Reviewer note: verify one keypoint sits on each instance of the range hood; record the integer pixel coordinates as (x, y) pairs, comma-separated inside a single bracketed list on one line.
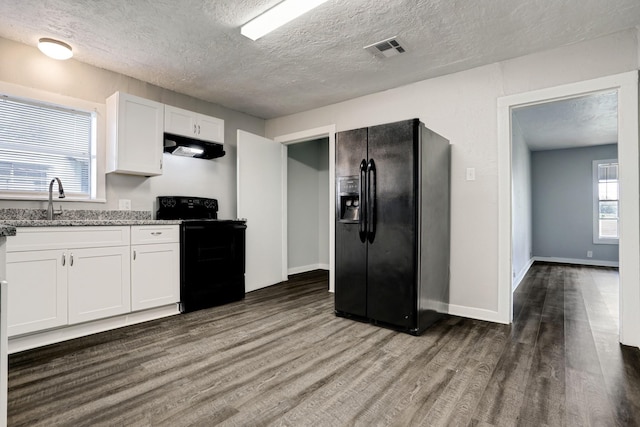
[(190, 147)]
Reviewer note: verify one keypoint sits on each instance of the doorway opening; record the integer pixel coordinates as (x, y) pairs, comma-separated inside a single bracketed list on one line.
[(327, 135), (308, 206), (553, 148), (626, 88), (562, 205)]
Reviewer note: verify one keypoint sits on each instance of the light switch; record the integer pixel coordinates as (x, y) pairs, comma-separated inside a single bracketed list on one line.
[(471, 174)]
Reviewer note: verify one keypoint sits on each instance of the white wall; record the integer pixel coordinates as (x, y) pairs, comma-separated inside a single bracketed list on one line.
[(463, 108), (521, 222), (26, 67)]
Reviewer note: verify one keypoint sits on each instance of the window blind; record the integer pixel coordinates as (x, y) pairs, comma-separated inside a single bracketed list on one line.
[(41, 141)]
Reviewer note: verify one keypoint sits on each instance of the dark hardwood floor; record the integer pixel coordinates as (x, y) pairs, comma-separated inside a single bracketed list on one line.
[(281, 357)]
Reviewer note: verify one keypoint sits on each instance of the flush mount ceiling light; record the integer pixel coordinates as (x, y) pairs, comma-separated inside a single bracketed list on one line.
[(277, 16), (55, 49)]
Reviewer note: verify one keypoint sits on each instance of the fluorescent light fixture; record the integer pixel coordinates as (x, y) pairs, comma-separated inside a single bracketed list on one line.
[(277, 16), (55, 49)]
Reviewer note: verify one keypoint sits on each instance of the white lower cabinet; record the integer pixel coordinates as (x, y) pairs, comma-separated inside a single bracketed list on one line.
[(38, 293), (66, 275), (155, 275), (99, 283), (68, 282), (155, 266)]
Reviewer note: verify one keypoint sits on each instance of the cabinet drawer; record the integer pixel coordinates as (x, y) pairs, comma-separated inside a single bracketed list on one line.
[(44, 238), (149, 234)]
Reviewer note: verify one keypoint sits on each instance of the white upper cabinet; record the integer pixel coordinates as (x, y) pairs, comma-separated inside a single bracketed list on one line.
[(193, 125), (134, 135)]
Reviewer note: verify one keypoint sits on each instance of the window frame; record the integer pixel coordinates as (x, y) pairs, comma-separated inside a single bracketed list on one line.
[(597, 240), (97, 179)]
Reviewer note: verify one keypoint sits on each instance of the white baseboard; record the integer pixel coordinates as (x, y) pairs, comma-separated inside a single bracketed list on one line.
[(594, 262), (475, 313), (26, 342), (305, 268), (518, 279)]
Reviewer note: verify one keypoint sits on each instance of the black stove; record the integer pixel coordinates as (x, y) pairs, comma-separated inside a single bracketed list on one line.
[(212, 252)]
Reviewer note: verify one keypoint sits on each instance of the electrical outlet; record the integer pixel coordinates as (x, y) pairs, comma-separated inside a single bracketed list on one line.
[(589, 254), (124, 204)]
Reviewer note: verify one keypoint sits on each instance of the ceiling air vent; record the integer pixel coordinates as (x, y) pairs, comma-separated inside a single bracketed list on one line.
[(386, 48)]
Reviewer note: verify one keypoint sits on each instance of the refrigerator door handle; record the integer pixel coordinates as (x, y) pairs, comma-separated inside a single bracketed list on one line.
[(371, 200), (362, 221)]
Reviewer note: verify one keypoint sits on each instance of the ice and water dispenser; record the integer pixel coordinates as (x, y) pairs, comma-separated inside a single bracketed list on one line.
[(348, 198)]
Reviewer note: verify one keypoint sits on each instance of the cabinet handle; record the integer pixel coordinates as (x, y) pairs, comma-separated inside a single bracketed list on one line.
[(195, 129), (64, 259), (134, 255), (198, 129), (71, 261), (156, 233)]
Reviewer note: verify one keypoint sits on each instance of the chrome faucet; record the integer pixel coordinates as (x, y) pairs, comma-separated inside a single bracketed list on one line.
[(50, 211)]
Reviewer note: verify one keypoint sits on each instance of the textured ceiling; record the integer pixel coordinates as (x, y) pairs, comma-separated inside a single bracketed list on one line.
[(195, 47), (570, 123)]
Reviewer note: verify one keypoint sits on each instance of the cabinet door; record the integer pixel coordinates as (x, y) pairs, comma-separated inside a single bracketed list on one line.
[(37, 291), (180, 122), (155, 275), (99, 283), (210, 129), (134, 135)]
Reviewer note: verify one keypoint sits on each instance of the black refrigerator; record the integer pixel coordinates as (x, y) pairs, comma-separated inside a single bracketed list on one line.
[(392, 225)]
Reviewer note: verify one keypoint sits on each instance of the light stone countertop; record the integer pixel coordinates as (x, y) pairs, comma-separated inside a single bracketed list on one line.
[(12, 223), (11, 218)]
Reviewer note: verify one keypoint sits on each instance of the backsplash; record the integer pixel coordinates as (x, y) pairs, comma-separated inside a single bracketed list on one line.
[(74, 214)]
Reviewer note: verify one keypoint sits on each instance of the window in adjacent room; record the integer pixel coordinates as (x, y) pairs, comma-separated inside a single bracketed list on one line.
[(606, 203), (40, 141)]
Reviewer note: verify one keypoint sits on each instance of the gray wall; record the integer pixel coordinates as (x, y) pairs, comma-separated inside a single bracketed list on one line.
[(521, 204), (563, 204), (27, 69), (308, 205)]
